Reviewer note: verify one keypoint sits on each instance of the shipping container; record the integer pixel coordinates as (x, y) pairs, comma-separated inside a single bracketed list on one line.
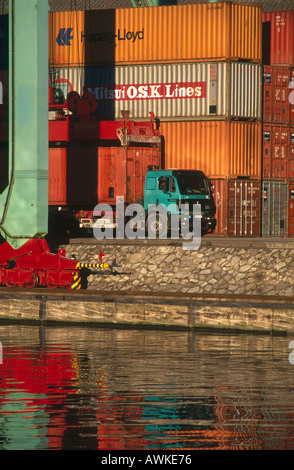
[(203, 90), (244, 216), (274, 198), (237, 207), (221, 149), (276, 151), (278, 104), (176, 33), (278, 37), (122, 173), (57, 162)]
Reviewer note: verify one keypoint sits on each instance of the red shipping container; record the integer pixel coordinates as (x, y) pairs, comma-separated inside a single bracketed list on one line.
[(281, 36), (244, 214), (122, 172), (276, 147), (57, 176), (237, 207), (278, 105)]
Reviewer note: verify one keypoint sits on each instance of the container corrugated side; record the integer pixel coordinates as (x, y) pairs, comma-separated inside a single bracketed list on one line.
[(237, 207), (203, 90), (276, 151), (221, 149), (244, 211), (57, 181), (173, 33), (291, 208), (278, 83), (274, 199), (281, 38)]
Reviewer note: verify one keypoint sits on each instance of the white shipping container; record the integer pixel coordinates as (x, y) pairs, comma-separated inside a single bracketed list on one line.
[(206, 90)]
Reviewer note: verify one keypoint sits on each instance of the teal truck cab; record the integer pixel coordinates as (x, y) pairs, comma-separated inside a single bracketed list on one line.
[(178, 190)]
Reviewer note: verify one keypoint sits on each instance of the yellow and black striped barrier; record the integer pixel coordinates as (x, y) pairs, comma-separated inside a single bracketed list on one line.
[(92, 265), (77, 280)]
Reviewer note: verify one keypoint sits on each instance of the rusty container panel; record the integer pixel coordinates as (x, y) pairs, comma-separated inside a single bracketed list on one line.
[(278, 107), (274, 198), (220, 149), (57, 184), (176, 33), (244, 214), (220, 195), (122, 173), (276, 151), (281, 38), (175, 91), (112, 177)]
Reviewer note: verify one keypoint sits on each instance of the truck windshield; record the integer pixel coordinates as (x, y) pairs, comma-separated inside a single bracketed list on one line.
[(191, 184)]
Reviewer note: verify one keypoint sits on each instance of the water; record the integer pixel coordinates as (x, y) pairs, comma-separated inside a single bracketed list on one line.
[(122, 389)]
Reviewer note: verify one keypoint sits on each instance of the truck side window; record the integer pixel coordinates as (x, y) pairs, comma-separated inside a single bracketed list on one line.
[(166, 184)]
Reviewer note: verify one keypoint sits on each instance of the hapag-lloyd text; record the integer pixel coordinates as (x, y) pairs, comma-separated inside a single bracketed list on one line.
[(149, 91)]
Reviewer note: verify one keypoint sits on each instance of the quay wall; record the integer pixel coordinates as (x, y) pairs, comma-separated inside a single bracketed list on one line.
[(242, 267), (229, 285)]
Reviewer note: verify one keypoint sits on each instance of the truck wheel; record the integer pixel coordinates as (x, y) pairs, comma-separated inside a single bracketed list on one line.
[(156, 226)]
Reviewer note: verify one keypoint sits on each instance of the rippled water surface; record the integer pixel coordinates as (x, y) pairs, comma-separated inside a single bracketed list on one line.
[(92, 388)]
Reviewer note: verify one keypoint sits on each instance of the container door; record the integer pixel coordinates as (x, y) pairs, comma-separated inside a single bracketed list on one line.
[(266, 161), (111, 174), (267, 94), (274, 208), (243, 208), (279, 152)]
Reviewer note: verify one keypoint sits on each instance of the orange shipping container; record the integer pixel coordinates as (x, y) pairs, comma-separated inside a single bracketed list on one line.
[(221, 149), (176, 33)]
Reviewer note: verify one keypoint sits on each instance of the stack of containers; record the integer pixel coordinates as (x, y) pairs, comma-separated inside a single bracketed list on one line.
[(278, 124), (198, 68)]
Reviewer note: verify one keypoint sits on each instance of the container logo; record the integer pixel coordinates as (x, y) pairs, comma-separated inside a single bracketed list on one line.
[(150, 91), (64, 37), (110, 37)]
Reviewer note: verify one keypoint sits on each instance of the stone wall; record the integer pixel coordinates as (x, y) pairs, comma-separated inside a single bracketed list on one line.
[(215, 268)]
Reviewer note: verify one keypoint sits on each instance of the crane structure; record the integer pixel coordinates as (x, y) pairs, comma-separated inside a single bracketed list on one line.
[(25, 257)]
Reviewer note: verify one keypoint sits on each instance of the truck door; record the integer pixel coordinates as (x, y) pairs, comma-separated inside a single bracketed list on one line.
[(167, 195)]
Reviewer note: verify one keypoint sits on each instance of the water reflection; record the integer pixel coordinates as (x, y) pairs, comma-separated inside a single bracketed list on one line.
[(83, 388)]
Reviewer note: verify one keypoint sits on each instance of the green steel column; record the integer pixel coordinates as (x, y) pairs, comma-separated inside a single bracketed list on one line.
[(24, 203)]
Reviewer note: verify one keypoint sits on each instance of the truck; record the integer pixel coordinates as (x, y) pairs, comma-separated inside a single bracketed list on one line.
[(179, 192), (134, 177)]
